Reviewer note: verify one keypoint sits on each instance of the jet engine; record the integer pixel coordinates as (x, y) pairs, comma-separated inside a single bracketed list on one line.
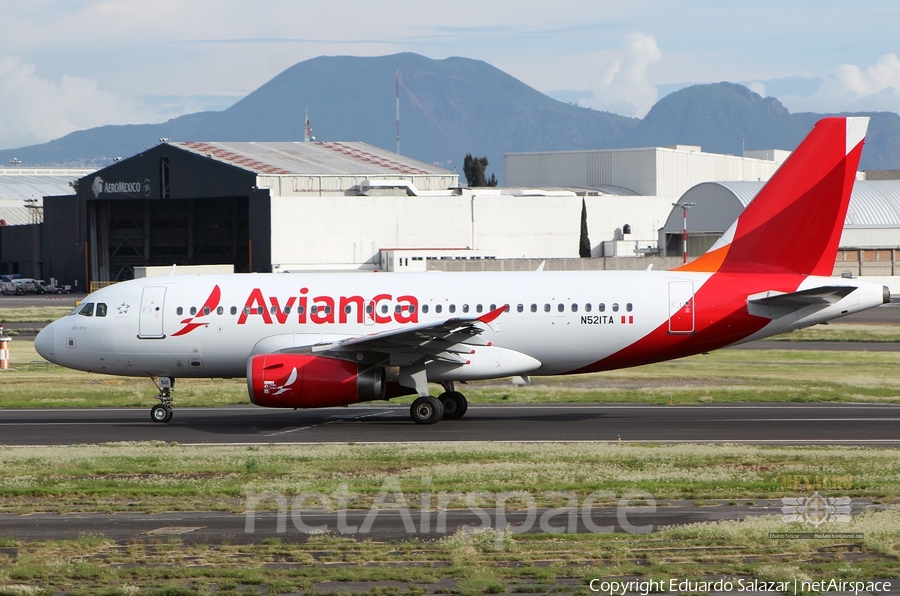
[(306, 381)]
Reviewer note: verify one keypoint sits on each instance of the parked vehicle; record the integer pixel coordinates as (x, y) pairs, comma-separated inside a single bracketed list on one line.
[(24, 285)]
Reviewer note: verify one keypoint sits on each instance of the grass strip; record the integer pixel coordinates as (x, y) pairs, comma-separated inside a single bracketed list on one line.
[(463, 563), (35, 314), (155, 477)]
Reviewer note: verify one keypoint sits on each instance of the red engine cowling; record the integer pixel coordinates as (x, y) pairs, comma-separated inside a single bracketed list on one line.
[(304, 381)]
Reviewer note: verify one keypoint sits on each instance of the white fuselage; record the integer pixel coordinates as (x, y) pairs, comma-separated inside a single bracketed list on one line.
[(181, 326)]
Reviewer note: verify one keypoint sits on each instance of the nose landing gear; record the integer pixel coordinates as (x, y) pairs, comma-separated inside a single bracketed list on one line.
[(162, 412)]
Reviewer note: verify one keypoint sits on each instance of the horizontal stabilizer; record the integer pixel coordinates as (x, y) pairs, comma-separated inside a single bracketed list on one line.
[(774, 304), (824, 295)]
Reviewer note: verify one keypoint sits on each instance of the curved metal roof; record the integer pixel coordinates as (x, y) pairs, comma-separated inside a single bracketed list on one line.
[(873, 204), (743, 191), (17, 186)]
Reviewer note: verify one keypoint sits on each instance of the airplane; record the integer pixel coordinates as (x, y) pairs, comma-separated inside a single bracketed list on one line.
[(309, 340)]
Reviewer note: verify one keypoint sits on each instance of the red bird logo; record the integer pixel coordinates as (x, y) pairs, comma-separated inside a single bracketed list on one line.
[(210, 305)]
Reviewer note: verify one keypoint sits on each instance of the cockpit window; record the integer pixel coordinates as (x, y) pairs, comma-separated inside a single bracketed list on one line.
[(101, 309), (87, 310)]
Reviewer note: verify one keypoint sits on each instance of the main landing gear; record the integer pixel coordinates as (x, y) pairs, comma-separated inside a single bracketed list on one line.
[(450, 405), (162, 412)]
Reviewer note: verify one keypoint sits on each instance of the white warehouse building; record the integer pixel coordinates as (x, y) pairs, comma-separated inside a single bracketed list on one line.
[(635, 186)]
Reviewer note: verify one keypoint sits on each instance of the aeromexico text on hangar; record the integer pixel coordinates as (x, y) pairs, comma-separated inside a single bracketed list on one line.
[(132, 189)]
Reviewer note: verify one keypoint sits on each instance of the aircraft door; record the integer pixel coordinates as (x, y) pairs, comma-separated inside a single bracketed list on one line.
[(151, 320), (681, 307)]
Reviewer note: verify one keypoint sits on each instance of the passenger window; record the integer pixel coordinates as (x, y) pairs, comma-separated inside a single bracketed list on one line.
[(628, 307), (534, 308), (574, 307), (465, 308), (384, 309), (234, 310), (602, 307), (327, 309), (615, 307), (561, 307), (452, 308), (87, 310), (179, 311), (301, 310), (546, 308), (520, 308), (478, 308), (506, 308), (411, 308), (272, 309), (438, 308), (101, 309), (287, 310), (587, 307), (220, 311), (424, 309), (313, 309), (347, 309), (246, 310), (193, 310), (397, 309), (205, 310), (369, 308)]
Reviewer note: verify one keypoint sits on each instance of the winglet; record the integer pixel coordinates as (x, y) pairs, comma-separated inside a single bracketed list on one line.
[(491, 316), (795, 222)]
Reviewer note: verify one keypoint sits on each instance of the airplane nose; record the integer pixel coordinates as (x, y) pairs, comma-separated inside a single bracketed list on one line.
[(43, 343)]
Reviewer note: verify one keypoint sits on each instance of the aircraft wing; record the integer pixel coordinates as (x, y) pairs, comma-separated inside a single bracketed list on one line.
[(774, 304), (442, 341)]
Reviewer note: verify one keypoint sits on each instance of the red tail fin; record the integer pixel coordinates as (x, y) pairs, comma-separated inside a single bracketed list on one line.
[(795, 222)]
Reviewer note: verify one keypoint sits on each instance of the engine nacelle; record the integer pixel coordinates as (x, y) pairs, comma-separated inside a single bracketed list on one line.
[(305, 381)]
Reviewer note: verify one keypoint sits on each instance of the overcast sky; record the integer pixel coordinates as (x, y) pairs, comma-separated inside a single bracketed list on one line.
[(72, 64)]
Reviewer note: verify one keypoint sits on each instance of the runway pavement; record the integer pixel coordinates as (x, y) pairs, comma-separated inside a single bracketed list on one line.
[(827, 424), (383, 525)]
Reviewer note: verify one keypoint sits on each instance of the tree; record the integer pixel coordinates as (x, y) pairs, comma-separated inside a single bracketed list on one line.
[(474, 168), (584, 243)]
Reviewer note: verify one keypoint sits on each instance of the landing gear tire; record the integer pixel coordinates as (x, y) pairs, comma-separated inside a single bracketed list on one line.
[(455, 404), (426, 410), (161, 413)]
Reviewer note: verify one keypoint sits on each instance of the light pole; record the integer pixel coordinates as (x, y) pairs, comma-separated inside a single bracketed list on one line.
[(684, 210)]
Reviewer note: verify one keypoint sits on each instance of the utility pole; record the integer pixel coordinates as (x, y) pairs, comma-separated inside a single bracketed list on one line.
[(684, 210)]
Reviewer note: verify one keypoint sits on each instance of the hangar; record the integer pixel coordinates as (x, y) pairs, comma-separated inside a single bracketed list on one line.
[(197, 203), (869, 243), (22, 192)]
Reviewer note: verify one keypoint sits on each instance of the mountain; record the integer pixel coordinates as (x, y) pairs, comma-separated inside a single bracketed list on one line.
[(728, 118), (447, 108), (721, 118), (456, 106)]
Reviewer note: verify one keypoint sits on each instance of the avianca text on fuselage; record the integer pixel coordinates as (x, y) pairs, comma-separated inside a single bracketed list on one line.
[(328, 310)]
